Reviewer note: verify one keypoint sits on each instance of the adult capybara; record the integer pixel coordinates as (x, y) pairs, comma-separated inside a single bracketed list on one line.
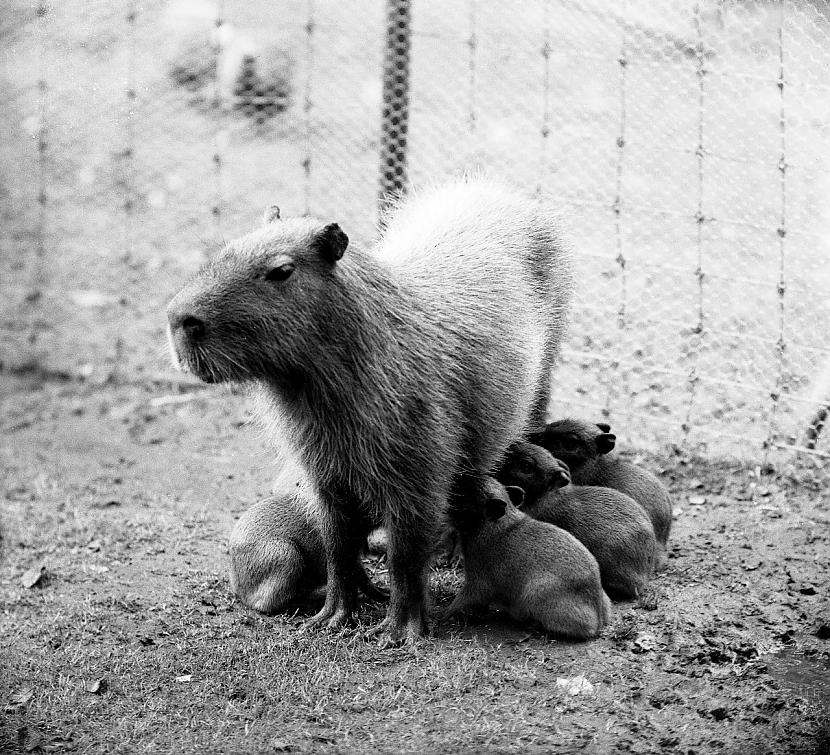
[(385, 373)]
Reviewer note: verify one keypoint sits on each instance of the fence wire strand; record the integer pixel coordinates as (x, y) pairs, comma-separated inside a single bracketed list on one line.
[(683, 144)]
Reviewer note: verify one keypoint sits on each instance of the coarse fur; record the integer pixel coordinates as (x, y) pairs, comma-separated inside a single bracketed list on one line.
[(610, 524), (585, 447), (277, 553), (387, 373), (535, 570)]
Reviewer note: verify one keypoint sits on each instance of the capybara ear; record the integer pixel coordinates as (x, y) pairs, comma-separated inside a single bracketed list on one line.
[(494, 509), (604, 426), (517, 495), (606, 442), (331, 242), (272, 213)]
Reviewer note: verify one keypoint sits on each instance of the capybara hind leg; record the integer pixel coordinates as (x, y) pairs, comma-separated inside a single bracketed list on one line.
[(575, 622), (271, 595), (266, 574), (467, 599), (623, 587), (568, 614), (539, 410)]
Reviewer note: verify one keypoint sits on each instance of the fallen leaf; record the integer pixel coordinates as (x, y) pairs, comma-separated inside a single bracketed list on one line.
[(58, 744), (643, 643), (30, 738), (577, 685), (184, 678), (18, 699), (37, 576), (97, 687), (525, 682)]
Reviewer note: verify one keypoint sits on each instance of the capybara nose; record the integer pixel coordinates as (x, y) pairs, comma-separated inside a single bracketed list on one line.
[(193, 328)]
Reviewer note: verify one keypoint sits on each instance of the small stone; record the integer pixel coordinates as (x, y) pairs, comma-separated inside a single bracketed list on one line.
[(97, 687), (37, 576), (578, 685)]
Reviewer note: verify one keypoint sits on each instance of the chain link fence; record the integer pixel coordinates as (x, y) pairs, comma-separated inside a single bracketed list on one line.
[(685, 144)]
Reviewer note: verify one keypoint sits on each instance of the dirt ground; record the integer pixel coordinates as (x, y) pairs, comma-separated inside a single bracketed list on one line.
[(120, 633), (121, 481)]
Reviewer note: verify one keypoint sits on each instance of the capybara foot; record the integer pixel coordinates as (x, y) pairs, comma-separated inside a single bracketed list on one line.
[(392, 633), (333, 618)]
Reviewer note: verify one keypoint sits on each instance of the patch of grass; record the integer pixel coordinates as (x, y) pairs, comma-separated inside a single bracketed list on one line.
[(181, 667)]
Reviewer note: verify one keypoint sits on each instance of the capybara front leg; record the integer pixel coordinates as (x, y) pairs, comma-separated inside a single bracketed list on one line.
[(408, 560), (341, 539)]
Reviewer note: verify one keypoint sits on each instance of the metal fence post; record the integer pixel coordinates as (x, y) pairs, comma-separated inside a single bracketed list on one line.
[(395, 114)]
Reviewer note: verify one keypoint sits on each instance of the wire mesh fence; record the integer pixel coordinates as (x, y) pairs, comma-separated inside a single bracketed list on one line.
[(685, 145)]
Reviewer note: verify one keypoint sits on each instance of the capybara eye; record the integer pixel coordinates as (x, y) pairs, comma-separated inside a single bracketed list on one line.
[(280, 273)]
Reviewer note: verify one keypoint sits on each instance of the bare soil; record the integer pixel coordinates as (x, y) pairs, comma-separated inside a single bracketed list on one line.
[(129, 640)]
